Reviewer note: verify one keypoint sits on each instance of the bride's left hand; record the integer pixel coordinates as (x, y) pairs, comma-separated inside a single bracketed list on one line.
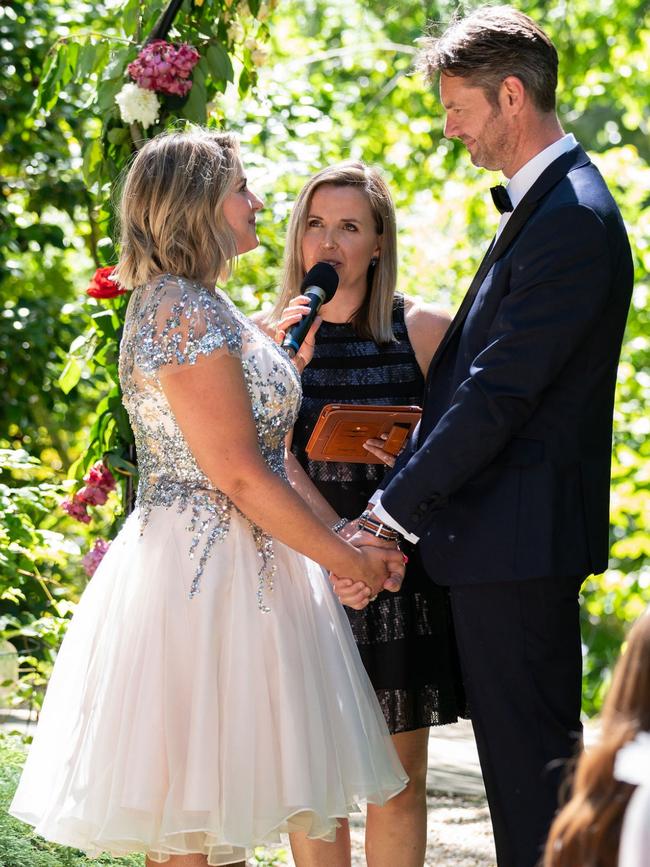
[(353, 594)]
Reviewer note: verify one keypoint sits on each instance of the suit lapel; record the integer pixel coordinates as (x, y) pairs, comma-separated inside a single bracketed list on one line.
[(549, 178)]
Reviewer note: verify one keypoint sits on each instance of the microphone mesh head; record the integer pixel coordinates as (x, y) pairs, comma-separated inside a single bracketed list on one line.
[(323, 276)]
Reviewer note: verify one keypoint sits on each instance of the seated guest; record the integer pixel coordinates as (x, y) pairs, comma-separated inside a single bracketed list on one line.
[(587, 831)]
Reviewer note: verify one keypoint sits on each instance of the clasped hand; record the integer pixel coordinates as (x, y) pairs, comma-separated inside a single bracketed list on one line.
[(383, 570)]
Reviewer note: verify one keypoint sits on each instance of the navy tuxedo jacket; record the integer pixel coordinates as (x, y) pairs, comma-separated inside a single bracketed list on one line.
[(509, 477)]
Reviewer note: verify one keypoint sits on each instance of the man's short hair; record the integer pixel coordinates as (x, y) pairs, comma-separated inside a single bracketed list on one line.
[(490, 44)]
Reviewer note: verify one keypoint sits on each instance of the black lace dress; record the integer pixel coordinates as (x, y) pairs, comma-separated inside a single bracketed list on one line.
[(405, 639)]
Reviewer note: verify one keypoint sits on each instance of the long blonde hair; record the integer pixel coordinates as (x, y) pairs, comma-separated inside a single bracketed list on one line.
[(587, 830), (171, 214), (374, 317)]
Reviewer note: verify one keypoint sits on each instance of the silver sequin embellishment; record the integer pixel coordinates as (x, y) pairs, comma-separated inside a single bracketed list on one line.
[(174, 321)]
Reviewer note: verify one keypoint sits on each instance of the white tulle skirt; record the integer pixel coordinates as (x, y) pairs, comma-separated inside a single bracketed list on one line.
[(174, 726)]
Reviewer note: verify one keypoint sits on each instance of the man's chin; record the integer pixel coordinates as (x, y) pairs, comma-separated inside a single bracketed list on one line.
[(483, 162)]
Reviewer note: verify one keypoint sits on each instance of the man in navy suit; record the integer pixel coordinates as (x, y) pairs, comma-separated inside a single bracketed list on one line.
[(506, 488)]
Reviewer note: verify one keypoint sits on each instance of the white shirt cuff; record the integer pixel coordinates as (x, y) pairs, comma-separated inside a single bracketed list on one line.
[(375, 497), (381, 513)]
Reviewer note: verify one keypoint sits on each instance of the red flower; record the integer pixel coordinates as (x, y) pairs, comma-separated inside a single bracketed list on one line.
[(76, 509), (102, 286), (99, 476), (92, 496)]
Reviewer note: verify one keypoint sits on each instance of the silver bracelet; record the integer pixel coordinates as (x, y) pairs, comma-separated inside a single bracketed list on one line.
[(337, 526)]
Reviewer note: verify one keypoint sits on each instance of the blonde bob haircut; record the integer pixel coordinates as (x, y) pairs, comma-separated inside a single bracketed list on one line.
[(171, 210), (373, 319)]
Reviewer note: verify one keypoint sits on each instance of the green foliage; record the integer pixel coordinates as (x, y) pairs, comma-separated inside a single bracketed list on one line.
[(40, 574), (34, 609), (19, 846)]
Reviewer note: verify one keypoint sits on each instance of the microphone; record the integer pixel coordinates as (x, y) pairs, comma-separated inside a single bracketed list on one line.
[(319, 286)]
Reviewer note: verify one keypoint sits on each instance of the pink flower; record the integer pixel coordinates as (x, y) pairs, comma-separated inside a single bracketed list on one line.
[(92, 495), (164, 67), (99, 476), (99, 483), (76, 509), (94, 557)]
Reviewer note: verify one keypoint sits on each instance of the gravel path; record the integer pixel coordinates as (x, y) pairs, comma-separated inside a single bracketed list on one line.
[(459, 833)]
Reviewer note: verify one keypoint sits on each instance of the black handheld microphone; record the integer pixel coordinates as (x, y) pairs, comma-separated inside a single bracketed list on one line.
[(319, 286)]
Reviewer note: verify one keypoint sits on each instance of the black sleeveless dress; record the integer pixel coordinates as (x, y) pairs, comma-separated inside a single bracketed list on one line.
[(405, 639)]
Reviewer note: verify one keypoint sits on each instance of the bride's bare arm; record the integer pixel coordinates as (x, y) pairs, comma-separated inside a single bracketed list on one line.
[(212, 407), (303, 485)]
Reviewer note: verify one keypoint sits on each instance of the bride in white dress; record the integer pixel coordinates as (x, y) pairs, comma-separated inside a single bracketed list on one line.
[(208, 694)]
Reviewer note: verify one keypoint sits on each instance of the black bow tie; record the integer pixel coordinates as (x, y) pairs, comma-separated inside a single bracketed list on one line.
[(501, 199)]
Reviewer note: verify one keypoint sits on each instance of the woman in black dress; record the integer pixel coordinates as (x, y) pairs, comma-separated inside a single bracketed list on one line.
[(372, 346)]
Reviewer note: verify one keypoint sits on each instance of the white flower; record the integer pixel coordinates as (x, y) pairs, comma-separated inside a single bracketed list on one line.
[(235, 31), (260, 55), (138, 105)]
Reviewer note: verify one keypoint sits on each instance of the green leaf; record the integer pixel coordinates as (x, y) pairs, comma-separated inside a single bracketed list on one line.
[(106, 322), (115, 69), (131, 18), (89, 58), (121, 418), (49, 90), (114, 461), (92, 161), (106, 93), (244, 82), (70, 53), (118, 135), (219, 64), (78, 343), (70, 376), (195, 107)]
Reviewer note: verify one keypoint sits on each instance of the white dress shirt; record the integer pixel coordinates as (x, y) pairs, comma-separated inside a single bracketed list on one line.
[(522, 181), (517, 187)]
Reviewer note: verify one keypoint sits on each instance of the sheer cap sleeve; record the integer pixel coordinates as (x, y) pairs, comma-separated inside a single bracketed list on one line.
[(183, 323)]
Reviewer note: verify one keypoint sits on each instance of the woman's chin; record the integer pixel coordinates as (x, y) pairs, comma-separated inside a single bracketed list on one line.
[(247, 245)]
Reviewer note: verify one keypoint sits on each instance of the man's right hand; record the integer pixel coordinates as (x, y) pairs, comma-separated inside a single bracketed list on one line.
[(363, 539)]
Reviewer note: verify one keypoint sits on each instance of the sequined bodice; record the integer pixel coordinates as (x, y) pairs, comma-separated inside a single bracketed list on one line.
[(173, 323)]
